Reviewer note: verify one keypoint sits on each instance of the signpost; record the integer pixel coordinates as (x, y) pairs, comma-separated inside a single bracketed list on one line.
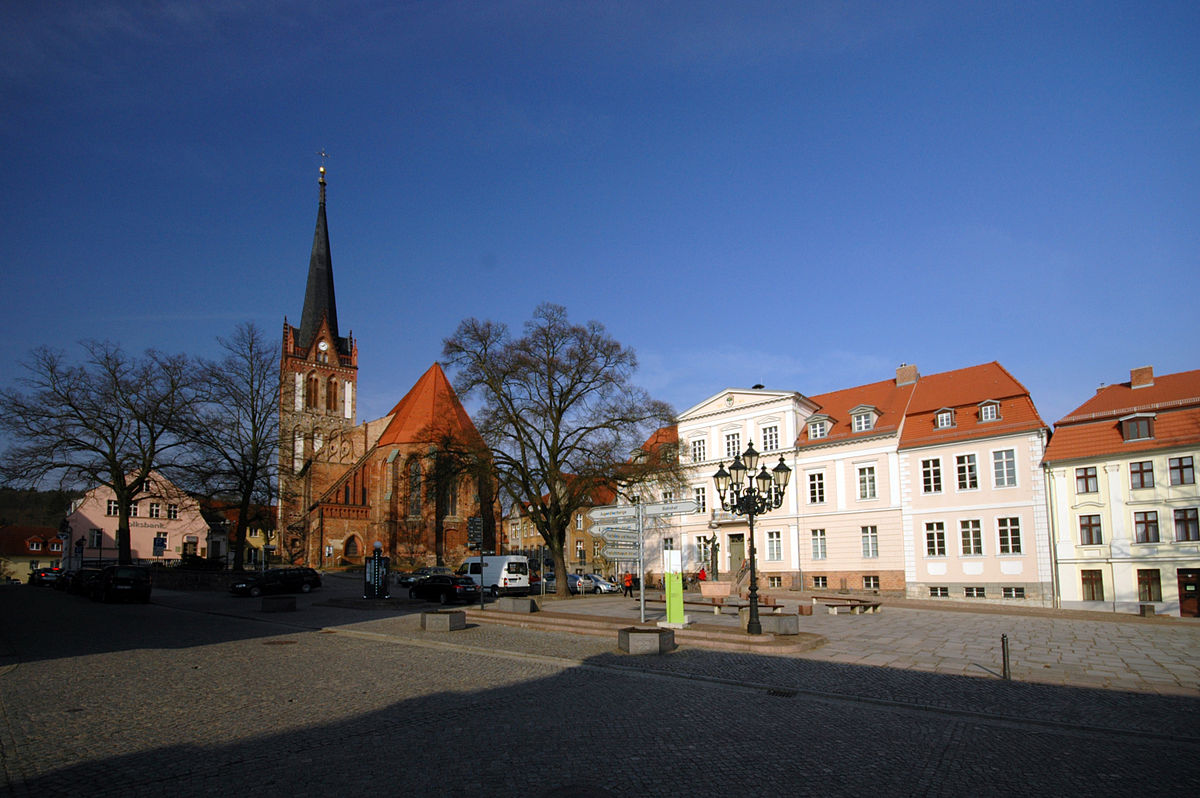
[(613, 512), (655, 509), (602, 529)]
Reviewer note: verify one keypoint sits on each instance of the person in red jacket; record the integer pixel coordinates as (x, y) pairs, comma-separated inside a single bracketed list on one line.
[(628, 582)]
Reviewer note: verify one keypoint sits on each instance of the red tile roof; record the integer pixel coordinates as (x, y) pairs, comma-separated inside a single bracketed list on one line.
[(428, 412), (963, 391), (886, 397), (14, 540), (1094, 430)]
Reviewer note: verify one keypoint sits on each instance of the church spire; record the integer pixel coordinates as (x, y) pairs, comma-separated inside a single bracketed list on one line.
[(319, 301)]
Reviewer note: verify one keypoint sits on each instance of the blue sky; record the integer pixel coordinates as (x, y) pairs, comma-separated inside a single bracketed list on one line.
[(799, 194)]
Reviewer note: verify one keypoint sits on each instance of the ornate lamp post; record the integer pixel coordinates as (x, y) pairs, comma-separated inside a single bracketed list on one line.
[(751, 494)]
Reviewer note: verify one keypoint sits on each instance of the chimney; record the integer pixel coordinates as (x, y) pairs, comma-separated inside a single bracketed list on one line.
[(1141, 378), (906, 375)]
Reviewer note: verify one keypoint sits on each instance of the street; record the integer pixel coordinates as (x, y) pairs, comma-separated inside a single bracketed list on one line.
[(204, 695)]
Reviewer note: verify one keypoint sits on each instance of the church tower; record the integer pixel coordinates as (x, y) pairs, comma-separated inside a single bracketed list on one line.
[(318, 372)]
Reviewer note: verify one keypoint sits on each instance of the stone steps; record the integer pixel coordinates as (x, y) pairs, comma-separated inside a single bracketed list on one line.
[(699, 635)]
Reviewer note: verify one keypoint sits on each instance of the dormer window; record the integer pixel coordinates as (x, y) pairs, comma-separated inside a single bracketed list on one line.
[(944, 418), (817, 429), (1137, 428), (862, 418), (989, 411)]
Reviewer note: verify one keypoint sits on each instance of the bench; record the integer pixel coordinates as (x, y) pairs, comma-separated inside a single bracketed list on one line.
[(854, 606)]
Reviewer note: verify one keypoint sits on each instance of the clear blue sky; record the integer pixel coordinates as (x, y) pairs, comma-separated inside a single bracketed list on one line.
[(799, 194)]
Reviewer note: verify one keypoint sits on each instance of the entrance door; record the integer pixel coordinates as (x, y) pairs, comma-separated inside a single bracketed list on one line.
[(1189, 592), (737, 553)]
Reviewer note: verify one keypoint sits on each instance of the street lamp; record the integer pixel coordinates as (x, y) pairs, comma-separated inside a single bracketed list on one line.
[(751, 494)]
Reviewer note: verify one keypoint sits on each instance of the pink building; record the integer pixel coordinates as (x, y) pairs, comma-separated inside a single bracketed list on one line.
[(165, 524)]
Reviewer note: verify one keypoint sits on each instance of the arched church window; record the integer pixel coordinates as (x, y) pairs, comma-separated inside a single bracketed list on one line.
[(310, 391), (414, 487), (331, 394), (352, 547)]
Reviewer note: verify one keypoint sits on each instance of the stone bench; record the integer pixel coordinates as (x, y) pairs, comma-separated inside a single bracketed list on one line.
[(516, 604), (773, 622), (852, 607), (443, 621), (278, 604), (633, 640)]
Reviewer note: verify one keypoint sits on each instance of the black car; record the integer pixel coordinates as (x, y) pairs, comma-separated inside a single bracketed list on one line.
[(43, 577), (445, 588), (81, 581), (122, 583), (408, 580), (276, 580)]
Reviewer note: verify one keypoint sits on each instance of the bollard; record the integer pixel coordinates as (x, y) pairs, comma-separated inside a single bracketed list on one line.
[(1004, 655)]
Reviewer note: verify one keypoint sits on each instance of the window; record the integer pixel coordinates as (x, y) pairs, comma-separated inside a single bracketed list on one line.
[(939, 592), (774, 581), (698, 453), (1182, 471), (579, 555), (1085, 480), (816, 488), (870, 582), (596, 544), (974, 592), (774, 546), (944, 418), (133, 509), (111, 508), (1145, 527), (701, 504), (968, 474), (931, 476), (1010, 535), (1149, 585), (414, 487), (870, 542), (1089, 531), (1093, 585), (154, 509), (703, 551), (818, 544), (310, 391), (579, 521), (866, 482), (863, 422), (733, 444), (451, 498), (1004, 468), (989, 412), (770, 438), (668, 544), (1137, 429), (172, 512), (1141, 474), (95, 538), (972, 538), (820, 582), (668, 496), (817, 429), (1012, 592), (35, 545), (935, 539), (1187, 524), (56, 545)]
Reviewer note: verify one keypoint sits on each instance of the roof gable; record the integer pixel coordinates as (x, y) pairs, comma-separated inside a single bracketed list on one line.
[(885, 399), (963, 392), (429, 412)]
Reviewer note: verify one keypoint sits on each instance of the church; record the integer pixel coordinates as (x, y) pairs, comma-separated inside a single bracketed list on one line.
[(413, 481)]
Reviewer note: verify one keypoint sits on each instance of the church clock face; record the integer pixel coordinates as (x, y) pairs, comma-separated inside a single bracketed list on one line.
[(323, 345)]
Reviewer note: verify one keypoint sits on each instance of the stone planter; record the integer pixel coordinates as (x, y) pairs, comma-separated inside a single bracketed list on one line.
[(444, 621), (716, 589), (633, 640)]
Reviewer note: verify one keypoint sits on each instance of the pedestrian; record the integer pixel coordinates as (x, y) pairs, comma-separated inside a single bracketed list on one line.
[(628, 582), (702, 575)]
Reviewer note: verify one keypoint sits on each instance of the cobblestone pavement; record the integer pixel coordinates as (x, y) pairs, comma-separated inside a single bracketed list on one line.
[(203, 695)]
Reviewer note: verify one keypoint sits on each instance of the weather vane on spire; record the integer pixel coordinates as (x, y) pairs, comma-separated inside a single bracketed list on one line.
[(323, 155)]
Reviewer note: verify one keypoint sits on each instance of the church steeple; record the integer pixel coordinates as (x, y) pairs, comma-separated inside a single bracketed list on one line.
[(319, 300)]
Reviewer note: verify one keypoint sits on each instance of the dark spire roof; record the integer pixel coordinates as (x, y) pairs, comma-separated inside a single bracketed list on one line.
[(319, 300)]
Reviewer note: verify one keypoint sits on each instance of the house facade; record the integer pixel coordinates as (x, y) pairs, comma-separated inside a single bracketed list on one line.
[(24, 549), (165, 523), (1123, 497)]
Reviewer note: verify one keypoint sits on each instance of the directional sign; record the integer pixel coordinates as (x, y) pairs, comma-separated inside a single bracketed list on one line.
[(612, 553), (597, 530), (621, 537), (671, 508), (612, 512)]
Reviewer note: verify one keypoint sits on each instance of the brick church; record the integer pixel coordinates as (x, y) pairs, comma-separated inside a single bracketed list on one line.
[(411, 480)]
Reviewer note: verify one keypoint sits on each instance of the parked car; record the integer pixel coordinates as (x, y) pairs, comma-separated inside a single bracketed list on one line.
[(576, 583), (43, 577), (276, 580), (408, 580), (602, 585), (62, 579), (81, 581), (445, 588), (122, 582)]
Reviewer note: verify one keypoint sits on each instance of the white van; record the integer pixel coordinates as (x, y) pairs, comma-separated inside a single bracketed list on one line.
[(502, 575)]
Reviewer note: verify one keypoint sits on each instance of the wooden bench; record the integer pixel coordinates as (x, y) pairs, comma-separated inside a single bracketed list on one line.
[(854, 606)]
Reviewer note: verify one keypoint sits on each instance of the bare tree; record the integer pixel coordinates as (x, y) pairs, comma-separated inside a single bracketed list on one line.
[(561, 415), (108, 422), (232, 442)]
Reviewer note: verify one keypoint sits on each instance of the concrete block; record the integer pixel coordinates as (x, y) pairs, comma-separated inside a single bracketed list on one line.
[(780, 624), (633, 640), (443, 621), (278, 604), (516, 604)]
